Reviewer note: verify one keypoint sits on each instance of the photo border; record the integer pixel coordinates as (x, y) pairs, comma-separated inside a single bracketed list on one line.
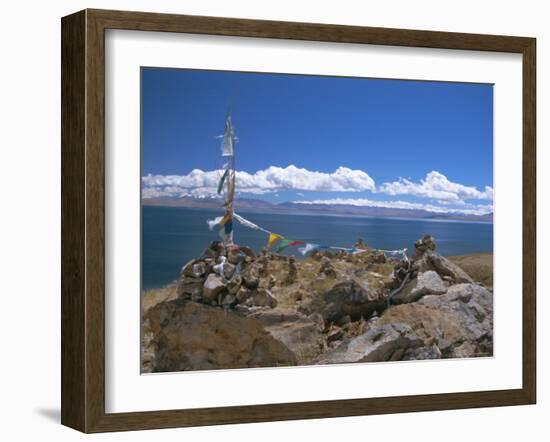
[(83, 219)]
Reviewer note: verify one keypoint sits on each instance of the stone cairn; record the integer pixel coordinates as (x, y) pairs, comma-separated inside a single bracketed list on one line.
[(228, 277)]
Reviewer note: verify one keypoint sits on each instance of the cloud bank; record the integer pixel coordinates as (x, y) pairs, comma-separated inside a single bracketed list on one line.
[(200, 183), (438, 187), (443, 195)]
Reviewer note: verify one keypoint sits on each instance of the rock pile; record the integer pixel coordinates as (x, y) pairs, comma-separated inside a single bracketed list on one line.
[(233, 309), (227, 277)]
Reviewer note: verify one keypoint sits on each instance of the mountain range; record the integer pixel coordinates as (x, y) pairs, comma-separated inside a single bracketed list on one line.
[(249, 204)]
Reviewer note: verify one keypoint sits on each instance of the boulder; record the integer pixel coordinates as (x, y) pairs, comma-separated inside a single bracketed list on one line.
[(413, 354), (447, 268), (459, 322), (199, 269), (264, 298), (187, 269), (212, 287), (297, 332), (189, 287), (190, 336), (380, 343), (426, 283), (242, 295), (228, 301), (354, 298), (228, 270)]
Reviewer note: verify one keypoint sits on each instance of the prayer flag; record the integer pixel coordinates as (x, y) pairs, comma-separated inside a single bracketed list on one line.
[(273, 238)]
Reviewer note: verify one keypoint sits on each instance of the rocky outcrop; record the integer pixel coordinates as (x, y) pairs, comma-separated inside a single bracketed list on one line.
[(300, 334), (459, 322), (354, 298), (388, 342), (233, 309), (426, 283), (180, 335)]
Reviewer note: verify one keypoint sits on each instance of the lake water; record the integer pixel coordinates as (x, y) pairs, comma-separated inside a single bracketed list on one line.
[(171, 236)]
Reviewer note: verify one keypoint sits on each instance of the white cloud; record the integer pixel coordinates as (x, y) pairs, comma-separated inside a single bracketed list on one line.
[(436, 186), (272, 179), (465, 209)]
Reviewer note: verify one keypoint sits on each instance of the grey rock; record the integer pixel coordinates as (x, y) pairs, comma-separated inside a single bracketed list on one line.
[(243, 294), (353, 298), (385, 343), (459, 322), (264, 298), (212, 287), (229, 300), (199, 269), (412, 354), (296, 331), (193, 336), (426, 283)]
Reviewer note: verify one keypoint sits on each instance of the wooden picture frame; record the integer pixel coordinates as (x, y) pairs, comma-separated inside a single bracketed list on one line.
[(83, 220)]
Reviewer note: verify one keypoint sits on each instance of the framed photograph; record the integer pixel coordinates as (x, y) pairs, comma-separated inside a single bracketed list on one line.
[(269, 220)]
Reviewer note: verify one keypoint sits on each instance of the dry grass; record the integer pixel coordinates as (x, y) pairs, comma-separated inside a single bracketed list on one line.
[(152, 297), (479, 266)]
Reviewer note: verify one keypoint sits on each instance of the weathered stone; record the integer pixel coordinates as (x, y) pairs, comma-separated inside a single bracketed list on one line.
[(427, 283), (212, 287), (318, 320), (424, 244), (228, 270), (384, 343), (187, 269), (188, 286), (420, 353), (234, 256), (229, 300), (242, 295), (447, 268), (264, 298), (199, 269), (444, 267), (354, 298), (197, 337), (234, 285), (299, 333), (464, 314), (251, 282), (335, 334)]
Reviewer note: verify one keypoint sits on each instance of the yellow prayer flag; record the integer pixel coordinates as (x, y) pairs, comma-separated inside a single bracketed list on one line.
[(273, 238)]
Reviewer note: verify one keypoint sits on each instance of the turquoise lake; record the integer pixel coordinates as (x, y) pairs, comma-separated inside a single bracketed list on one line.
[(171, 236)]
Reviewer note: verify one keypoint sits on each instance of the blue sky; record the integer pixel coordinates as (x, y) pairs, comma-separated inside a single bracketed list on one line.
[(322, 139)]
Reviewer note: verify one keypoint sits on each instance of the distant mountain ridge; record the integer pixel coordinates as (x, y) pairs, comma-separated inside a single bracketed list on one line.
[(336, 209)]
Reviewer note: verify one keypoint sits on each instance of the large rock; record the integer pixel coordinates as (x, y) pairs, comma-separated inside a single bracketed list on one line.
[(447, 268), (189, 336), (388, 342), (426, 259), (212, 287), (297, 332), (264, 298), (426, 283), (459, 322), (189, 287), (354, 298)]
